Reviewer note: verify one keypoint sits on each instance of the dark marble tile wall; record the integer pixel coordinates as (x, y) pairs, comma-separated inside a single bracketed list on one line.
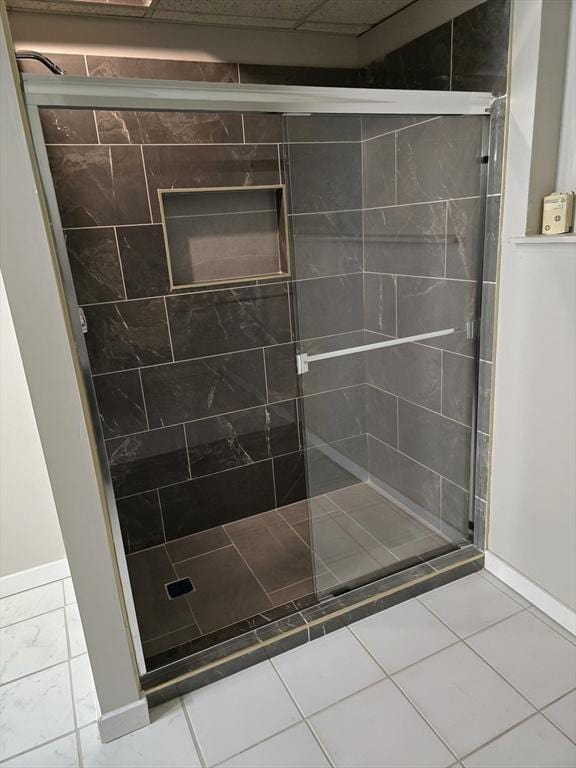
[(200, 406), (468, 53), (422, 257), (197, 396), (430, 238)]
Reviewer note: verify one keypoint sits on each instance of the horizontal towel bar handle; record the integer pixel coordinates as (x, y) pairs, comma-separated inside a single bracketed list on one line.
[(303, 359)]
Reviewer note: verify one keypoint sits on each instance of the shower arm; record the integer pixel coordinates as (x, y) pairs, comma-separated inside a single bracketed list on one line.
[(35, 56)]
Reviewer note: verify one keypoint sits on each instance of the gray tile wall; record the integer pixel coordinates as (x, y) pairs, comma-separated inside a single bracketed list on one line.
[(436, 238), (422, 257)]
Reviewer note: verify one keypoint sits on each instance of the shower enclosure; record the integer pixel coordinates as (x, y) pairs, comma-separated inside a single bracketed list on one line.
[(276, 296)]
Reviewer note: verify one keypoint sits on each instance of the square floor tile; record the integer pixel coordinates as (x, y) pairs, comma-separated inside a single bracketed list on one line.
[(534, 658), (75, 631), (326, 670), (83, 690), (294, 748), (31, 603), (563, 714), (235, 713), (32, 645), (379, 728), (166, 742), (62, 753), (553, 624), (504, 588), (533, 744), (465, 701), (470, 604), (347, 550), (401, 635), (35, 709)]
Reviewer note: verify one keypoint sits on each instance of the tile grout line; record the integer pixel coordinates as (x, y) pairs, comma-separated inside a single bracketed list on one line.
[(187, 458), (418, 462), (39, 746), (215, 416), (405, 696), (74, 715), (464, 640), (195, 740), (306, 544), (146, 182), (35, 616), (247, 564), (163, 526), (169, 333), (402, 128), (304, 718)]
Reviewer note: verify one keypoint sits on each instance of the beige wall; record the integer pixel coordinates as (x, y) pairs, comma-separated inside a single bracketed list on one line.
[(533, 487), (160, 40), (48, 355), (29, 529)]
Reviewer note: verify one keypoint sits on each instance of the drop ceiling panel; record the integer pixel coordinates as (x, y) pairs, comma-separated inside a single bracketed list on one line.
[(225, 21), (264, 9), (357, 11), (340, 17), (334, 29)]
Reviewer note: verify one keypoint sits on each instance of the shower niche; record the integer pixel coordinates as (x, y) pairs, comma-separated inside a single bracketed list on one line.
[(218, 235)]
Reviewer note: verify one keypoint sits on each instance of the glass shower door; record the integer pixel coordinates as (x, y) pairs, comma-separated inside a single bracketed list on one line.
[(386, 218)]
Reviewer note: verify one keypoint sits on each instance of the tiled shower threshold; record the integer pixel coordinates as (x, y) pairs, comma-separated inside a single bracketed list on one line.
[(311, 622)]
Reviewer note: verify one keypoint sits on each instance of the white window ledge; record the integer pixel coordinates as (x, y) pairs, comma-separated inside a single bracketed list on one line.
[(544, 239)]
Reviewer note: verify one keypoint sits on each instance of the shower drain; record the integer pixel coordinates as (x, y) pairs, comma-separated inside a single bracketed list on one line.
[(179, 588)]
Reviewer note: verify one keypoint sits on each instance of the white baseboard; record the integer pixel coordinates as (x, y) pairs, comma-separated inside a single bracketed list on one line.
[(34, 577), (543, 600), (124, 720)]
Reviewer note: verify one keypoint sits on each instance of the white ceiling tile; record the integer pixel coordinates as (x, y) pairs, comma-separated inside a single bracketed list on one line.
[(86, 8), (223, 21), (334, 29), (357, 11), (265, 9)]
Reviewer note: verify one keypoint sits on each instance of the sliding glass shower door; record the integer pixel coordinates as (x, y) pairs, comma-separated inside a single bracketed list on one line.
[(386, 216), (275, 320)]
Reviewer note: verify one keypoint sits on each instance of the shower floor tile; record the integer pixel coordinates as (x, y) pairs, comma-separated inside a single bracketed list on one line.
[(243, 570)]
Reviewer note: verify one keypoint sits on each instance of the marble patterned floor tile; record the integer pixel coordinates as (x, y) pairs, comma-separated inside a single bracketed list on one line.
[(69, 593), (75, 631), (326, 670), (470, 605), (32, 602), (32, 645), (532, 744), (402, 635), (294, 748), (166, 742), (537, 661), (379, 728), (35, 710), (85, 704), (236, 713), (61, 753)]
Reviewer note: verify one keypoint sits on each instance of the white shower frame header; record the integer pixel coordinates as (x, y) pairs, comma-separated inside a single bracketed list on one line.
[(140, 94)]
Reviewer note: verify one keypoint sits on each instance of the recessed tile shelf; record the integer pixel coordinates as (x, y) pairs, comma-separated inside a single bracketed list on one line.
[(220, 235)]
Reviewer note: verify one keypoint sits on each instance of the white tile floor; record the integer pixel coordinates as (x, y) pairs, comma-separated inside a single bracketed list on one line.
[(470, 675)]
